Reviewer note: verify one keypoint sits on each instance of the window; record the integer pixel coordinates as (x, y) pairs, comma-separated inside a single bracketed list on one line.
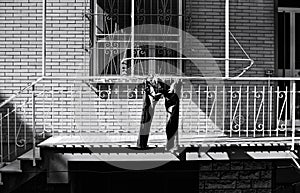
[(111, 36), (289, 42), (289, 52)]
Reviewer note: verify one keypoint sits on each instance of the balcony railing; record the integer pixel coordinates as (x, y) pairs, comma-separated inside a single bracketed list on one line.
[(237, 111)]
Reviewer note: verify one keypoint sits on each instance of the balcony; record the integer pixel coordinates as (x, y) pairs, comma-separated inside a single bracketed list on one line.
[(245, 112)]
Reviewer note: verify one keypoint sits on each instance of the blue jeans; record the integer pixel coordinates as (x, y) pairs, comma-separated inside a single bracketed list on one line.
[(172, 108)]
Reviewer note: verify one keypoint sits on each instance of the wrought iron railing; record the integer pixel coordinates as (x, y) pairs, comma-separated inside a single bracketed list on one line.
[(239, 109)]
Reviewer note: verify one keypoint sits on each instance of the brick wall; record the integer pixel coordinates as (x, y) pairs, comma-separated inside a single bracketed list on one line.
[(21, 41), (235, 177), (21, 53), (253, 25), (251, 22)]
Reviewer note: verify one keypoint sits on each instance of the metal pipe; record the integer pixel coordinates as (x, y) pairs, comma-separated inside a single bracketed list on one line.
[(277, 111), (240, 111), (227, 38), (199, 108), (286, 111), (247, 111), (180, 25), (16, 137), (112, 78), (132, 37), (270, 110), (138, 35), (33, 126), (25, 129), (1, 139), (8, 128), (52, 111), (223, 109), (206, 110), (293, 115), (44, 38), (231, 118), (187, 58), (254, 111), (21, 91), (263, 110), (44, 124), (94, 63)]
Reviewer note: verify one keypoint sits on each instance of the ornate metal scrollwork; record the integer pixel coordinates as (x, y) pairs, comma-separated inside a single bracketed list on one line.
[(132, 94), (140, 14), (281, 95), (186, 95), (20, 143), (259, 127), (211, 94), (165, 18), (259, 114), (281, 126), (111, 47), (105, 94), (112, 17), (139, 51), (165, 52), (235, 94), (258, 94), (239, 120)]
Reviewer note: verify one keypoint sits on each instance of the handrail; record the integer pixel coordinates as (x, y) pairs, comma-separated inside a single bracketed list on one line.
[(119, 77), (180, 77), (21, 105), (199, 58), (21, 91)]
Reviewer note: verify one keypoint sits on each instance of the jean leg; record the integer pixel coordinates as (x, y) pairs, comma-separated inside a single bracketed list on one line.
[(146, 120), (172, 107)]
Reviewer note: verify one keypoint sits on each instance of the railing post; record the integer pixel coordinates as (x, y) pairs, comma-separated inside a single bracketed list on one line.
[(1, 139), (293, 114), (8, 133), (25, 129), (16, 137), (33, 126)]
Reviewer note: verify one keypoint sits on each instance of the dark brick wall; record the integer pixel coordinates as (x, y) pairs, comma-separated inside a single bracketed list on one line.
[(235, 177), (251, 22)]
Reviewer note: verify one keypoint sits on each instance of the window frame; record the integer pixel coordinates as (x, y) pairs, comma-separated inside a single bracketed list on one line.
[(95, 66)]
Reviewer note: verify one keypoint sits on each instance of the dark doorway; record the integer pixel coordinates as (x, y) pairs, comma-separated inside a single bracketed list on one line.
[(102, 177)]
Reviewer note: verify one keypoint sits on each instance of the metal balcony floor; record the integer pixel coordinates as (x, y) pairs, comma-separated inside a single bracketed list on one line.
[(94, 140)]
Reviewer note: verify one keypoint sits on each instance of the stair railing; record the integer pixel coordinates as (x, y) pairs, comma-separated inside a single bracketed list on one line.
[(10, 126)]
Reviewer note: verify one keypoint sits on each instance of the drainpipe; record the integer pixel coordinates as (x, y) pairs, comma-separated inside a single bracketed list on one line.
[(132, 37), (44, 39), (227, 39)]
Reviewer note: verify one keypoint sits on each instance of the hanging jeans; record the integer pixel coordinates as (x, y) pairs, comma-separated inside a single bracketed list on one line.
[(172, 108)]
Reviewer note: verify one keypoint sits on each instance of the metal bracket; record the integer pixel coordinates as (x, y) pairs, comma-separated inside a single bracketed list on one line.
[(294, 157)]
